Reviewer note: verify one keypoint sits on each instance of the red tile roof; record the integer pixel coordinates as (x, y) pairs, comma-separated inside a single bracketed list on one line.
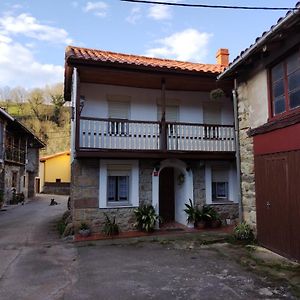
[(74, 54)]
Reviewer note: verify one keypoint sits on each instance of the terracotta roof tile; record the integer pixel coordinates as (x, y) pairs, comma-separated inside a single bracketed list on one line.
[(100, 56)]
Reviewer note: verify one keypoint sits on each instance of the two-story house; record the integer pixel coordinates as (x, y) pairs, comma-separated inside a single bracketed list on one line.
[(267, 77), (146, 130), (19, 158)]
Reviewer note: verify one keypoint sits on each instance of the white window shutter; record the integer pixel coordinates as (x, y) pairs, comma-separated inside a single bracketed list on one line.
[(219, 175), (172, 113), (118, 110), (211, 114)]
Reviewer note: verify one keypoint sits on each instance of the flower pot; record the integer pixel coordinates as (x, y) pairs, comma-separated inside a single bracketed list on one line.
[(190, 225), (215, 223), (200, 224), (84, 232)]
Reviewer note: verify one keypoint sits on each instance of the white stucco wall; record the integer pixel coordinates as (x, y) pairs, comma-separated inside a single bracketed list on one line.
[(143, 103), (255, 91)]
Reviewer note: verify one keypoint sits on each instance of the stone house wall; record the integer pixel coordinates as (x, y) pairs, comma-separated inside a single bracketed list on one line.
[(247, 157), (84, 194)]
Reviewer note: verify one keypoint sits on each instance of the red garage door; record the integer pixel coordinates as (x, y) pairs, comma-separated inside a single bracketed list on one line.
[(277, 179)]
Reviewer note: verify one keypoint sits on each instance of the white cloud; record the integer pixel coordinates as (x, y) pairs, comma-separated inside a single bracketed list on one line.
[(160, 12), (186, 45), (98, 8), (135, 15), (19, 67), (18, 64), (29, 26)]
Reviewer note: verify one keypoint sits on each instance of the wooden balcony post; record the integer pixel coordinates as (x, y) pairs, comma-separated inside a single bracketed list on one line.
[(163, 118)]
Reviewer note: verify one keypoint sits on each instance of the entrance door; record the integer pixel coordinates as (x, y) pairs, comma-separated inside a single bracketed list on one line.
[(278, 203), (166, 195)]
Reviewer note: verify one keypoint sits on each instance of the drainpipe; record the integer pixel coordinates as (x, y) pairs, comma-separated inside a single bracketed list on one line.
[(237, 149)]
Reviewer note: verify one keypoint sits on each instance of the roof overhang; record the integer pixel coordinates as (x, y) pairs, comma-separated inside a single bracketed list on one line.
[(275, 33)]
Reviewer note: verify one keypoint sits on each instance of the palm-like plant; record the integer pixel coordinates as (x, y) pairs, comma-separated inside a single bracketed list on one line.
[(146, 218)]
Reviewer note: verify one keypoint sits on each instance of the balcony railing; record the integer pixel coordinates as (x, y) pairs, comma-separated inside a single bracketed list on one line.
[(15, 154), (97, 133)]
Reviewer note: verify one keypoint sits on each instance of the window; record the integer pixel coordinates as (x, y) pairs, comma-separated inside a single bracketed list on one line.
[(118, 111), (118, 188), (118, 183), (219, 190), (285, 83), (219, 183)]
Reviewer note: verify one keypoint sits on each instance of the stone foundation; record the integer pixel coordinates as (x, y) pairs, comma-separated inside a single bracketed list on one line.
[(228, 211)]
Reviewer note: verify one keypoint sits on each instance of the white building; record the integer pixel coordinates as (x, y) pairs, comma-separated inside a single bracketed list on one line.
[(146, 130)]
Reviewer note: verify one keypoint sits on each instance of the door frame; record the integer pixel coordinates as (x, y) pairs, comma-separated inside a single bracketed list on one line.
[(188, 187)]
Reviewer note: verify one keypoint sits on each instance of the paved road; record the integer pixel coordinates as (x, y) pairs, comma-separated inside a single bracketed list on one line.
[(36, 264)]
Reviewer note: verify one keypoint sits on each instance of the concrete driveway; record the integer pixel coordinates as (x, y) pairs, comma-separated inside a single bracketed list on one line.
[(36, 264)]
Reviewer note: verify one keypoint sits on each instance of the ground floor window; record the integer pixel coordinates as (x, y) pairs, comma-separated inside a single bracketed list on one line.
[(219, 183), (219, 191), (117, 188), (119, 183)]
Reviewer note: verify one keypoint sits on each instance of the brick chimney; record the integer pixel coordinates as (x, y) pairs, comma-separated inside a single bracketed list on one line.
[(222, 57)]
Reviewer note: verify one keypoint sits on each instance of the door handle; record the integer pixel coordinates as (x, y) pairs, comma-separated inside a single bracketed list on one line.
[(268, 204)]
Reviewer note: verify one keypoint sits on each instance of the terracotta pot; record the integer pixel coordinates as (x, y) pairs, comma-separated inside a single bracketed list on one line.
[(200, 224), (215, 223)]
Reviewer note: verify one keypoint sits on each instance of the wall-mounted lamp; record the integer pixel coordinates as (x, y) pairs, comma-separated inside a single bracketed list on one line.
[(81, 104)]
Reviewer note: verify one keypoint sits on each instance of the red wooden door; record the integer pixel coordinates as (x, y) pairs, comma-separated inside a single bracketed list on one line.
[(277, 202), (166, 195)]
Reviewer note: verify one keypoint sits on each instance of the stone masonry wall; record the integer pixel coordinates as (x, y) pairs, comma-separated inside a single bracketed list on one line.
[(145, 177), (84, 193), (199, 185), (247, 159)]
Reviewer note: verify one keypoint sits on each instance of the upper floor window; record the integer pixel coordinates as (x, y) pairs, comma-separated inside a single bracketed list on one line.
[(119, 113), (285, 81)]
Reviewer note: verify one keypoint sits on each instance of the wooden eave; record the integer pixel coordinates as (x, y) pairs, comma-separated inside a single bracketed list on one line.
[(142, 76)]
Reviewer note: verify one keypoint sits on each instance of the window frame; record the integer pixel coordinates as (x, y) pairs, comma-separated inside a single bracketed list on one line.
[(215, 197), (114, 167), (118, 174), (288, 111)]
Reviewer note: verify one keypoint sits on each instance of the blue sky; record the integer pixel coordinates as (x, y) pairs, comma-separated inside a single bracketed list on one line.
[(34, 33)]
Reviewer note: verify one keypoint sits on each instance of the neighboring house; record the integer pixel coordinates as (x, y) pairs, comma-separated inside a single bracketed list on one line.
[(19, 158), (146, 131), (268, 95), (55, 173)]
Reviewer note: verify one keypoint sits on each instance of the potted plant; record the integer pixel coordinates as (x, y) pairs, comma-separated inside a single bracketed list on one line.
[(84, 230), (191, 212), (199, 222), (110, 226), (146, 218), (211, 216)]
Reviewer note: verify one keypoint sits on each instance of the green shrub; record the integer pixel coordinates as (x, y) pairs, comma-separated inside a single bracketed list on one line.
[(191, 212), (84, 226), (146, 218), (243, 232), (110, 226)]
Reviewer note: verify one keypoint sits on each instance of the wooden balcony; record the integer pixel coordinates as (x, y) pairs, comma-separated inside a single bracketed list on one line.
[(143, 136), (15, 154)]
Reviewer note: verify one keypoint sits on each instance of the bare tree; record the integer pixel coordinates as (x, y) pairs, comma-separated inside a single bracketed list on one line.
[(36, 101)]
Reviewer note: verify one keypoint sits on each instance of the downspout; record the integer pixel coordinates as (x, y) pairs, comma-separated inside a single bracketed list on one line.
[(237, 150)]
